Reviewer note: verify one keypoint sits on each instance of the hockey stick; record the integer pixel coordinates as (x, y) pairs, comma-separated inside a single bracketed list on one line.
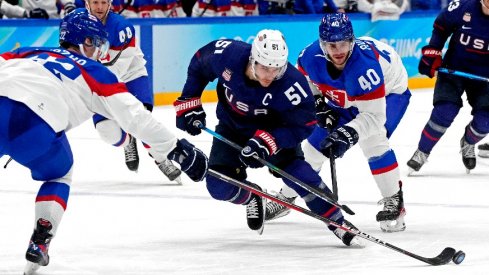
[(332, 166), (443, 258), (463, 74), (284, 174)]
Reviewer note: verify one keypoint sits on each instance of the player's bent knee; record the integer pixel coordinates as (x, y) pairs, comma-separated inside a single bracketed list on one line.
[(221, 190), (110, 132), (444, 113)]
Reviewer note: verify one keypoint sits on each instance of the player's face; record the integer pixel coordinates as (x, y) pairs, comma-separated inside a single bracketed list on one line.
[(338, 51), (99, 8), (266, 75)]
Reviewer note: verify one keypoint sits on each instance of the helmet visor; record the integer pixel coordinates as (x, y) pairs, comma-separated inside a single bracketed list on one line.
[(101, 46)]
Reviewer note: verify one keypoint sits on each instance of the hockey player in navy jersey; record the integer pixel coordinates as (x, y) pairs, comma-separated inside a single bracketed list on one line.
[(467, 22), (45, 92), (365, 84), (264, 105), (126, 60)]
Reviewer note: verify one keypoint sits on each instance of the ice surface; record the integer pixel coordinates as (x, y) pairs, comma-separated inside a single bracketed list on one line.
[(119, 222)]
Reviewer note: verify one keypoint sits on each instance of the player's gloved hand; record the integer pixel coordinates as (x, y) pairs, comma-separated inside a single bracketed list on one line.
[(69, 7), (327, 117), (192, 161), (430, 61), (339, 141), (261, 145), (37, 13), (189, 111)]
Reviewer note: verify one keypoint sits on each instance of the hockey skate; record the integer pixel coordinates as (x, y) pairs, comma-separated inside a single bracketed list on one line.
[(170, 171), (483, 150), (37, 252), (348, 238), (391, 218), (131, 154), (275, 210), (255, 212), (468, 154), (417, 161)]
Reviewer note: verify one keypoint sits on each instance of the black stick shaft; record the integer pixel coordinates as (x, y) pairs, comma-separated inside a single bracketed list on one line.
[(443, 258), (284, 174)]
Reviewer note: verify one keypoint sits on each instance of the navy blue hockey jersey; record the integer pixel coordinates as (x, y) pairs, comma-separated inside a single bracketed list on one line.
[(285, 108), (468, 49)]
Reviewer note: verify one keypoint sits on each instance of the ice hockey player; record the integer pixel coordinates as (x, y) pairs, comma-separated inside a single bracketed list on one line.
[(45, 92), (365, 84), (467, 22), (126, 60), (264, 105)]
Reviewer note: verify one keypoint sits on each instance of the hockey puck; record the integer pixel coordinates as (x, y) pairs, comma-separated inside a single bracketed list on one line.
[(458, 257)]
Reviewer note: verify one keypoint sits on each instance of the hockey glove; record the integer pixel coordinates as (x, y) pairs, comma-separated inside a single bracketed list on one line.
[(37, 13), (327, 117), (430, 61), (189, 111), (192, 161), (261, 145), (339, 141)]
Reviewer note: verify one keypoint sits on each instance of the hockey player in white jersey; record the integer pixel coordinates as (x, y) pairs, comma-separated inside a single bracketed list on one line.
[(45, 92), (126, 60), (365, 84)]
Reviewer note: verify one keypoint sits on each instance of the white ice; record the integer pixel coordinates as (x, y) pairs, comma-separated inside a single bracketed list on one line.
[(119, 222)]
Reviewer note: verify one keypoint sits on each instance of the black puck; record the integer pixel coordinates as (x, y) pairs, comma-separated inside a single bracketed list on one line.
[(458, 257)]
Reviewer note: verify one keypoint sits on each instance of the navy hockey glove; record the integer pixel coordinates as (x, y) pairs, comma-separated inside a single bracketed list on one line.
[(430, 61), (261, 145), (192, 161), (37, 13), (189, 111), (339, 141), (326, 116)]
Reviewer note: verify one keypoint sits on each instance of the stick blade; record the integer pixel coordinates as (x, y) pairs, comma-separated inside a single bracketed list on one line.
[(444, 258)]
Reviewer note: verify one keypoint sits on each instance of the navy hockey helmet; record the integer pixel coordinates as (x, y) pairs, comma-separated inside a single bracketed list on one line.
[(79, 27), (335, 27)]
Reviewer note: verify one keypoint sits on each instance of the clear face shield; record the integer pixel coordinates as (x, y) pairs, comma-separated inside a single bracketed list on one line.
[(337, 52), (266, 75), (95, 48)]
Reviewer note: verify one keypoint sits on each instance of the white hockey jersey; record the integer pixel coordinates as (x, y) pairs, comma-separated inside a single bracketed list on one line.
[(373, 71), (125, 57), (65, 89)]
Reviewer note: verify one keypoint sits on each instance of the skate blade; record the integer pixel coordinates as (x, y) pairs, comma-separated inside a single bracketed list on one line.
[(411, 172), (392, 226), (31, 268), (467, 171), (357, 242), (260, 230), (178, 180)]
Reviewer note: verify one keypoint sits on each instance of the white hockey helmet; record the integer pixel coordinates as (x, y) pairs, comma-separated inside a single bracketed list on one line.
[(269, 49)]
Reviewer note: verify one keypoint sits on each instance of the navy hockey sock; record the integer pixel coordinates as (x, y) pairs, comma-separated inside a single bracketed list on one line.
[(441, 118)]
